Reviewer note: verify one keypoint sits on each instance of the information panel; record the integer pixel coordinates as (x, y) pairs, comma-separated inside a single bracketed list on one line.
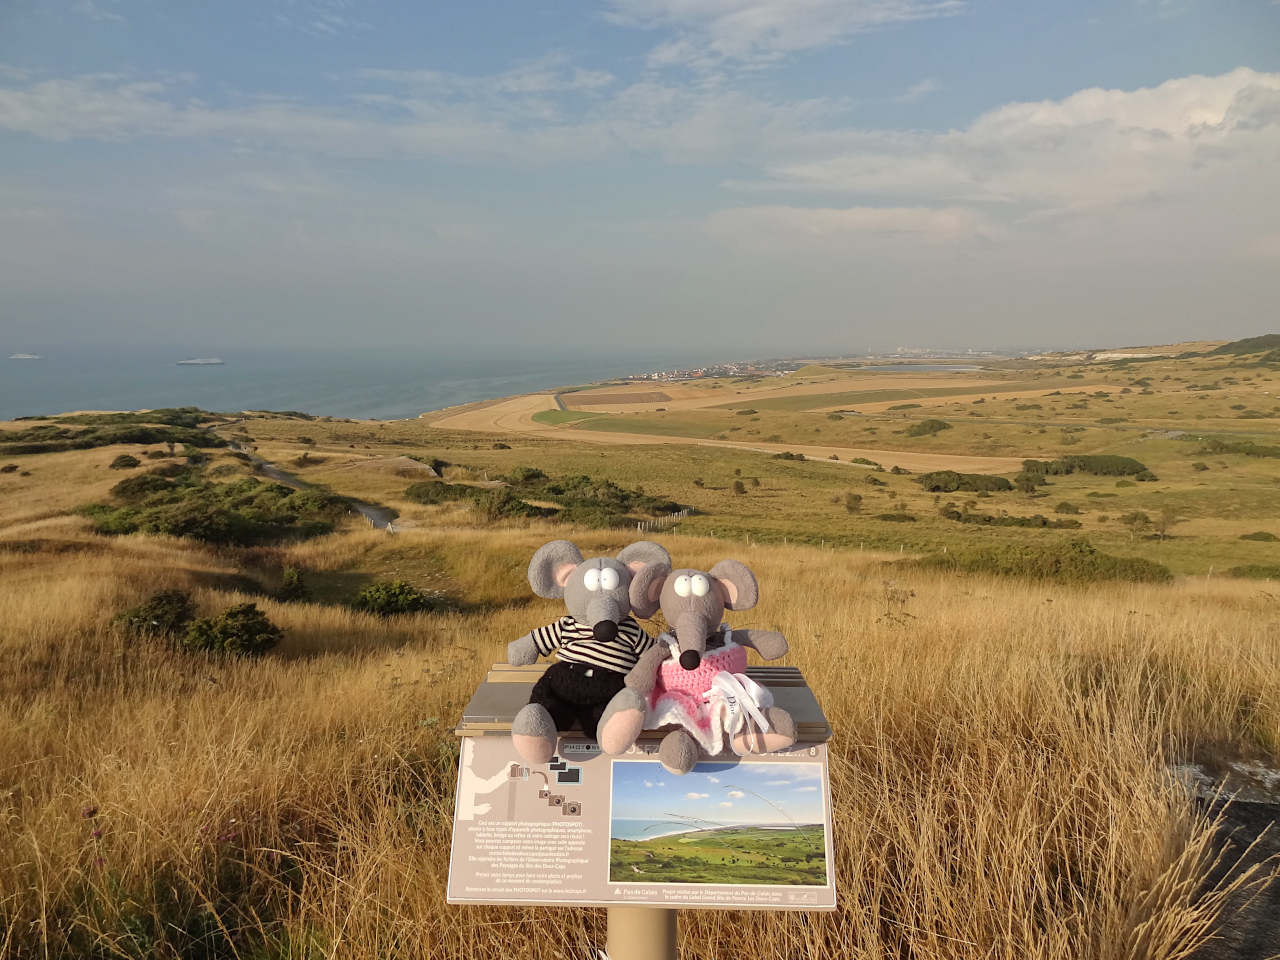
[(590, 829)]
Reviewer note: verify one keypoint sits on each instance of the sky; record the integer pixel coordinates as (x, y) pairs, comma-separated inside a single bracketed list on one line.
[(714, 794), (746, 177)]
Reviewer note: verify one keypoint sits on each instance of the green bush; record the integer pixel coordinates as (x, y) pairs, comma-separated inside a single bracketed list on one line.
[(246, 512), (163, 615), (1261, 535), (1199, 467), (1103, 465), (927, 427), (1066, 506), (9, 468), (739, 487), (1256, 571), (905, 406), (896, 517), (788, 455), (438, 491), (124, 462), (292, 587), (853, 502), (1076, 561), (1247, 448), (242, 630), (949, 481), (526, 475), (864, 461), (389, 598)]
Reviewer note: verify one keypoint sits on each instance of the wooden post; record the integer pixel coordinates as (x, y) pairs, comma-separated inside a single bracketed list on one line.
[(641, 933)]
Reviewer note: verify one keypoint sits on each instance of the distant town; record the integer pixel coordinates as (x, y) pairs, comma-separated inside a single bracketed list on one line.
[(781, 366)]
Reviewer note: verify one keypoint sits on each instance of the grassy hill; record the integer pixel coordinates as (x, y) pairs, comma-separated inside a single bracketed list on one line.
[(1001, 767)]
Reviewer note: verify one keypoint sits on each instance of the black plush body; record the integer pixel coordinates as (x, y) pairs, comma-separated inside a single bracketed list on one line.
[(572, 697)]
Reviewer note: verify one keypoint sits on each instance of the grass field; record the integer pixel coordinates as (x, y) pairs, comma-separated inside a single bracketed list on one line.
[(748, 855), (1001, 765)]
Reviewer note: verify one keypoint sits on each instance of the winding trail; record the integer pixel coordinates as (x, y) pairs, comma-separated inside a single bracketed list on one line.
[(378, 517)]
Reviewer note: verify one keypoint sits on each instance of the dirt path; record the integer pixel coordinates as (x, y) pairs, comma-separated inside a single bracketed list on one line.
[(516, 416)]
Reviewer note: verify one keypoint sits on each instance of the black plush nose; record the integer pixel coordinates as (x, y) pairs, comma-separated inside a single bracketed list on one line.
[(690, 659), (604, 631)]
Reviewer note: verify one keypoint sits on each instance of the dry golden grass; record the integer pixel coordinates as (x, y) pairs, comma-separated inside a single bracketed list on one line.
[(998, 767)]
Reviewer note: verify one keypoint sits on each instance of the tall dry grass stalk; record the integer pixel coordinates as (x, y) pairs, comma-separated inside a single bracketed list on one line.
[(998, 767)]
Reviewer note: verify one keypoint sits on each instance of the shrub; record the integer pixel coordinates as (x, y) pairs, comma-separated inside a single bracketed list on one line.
[(242, 630), (896, 517), (1261, 535), (1199, 467), (788, 455), (1066, 507), (387, 599), (949, 481), (1076, 561), (905, 406), (1105, 465), (437, 491), (746, 412), (927, 427), (1256, 571), (1247, 448), (125, 462), (755, 481), (501, 446), (864, 461), (502, 504), (292, 586), (874, 481), (739, 487), (165, 614), (526, 475), (899, 471), (853, 502)]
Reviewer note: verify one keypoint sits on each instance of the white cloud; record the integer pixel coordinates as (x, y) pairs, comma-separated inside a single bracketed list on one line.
[(726, 803), (736, 794), (697, 796), (648, 783), (918, 91), (806, 789), (710, 32), (90, 10), (714, 779)]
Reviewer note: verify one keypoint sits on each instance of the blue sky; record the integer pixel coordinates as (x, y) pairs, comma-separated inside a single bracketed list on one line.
[(713, 794), (757, 176)]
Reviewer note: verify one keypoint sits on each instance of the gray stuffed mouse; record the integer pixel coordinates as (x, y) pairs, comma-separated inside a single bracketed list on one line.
[(596, 643), (694, 678)]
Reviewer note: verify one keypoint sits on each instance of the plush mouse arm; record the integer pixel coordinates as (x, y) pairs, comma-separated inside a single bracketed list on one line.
[(644, 674), (522, 651), (770, 644)]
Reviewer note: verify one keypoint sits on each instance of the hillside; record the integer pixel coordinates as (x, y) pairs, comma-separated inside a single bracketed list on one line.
[(1016, 706)]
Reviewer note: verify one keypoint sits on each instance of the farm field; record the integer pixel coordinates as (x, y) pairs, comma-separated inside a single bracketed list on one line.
[(1015, 704)]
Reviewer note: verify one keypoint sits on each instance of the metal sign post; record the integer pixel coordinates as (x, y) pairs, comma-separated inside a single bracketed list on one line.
[(641, 933)]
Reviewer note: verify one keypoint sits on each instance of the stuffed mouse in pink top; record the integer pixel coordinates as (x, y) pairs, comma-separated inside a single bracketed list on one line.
[(694, 677)]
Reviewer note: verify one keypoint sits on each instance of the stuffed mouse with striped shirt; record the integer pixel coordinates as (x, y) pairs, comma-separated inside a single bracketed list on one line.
[(596, 643)]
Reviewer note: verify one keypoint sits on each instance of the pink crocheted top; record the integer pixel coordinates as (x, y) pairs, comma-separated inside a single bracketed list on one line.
[(673, 677)]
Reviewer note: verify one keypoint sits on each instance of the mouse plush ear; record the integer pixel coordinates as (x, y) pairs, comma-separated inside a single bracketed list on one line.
[(646, 587), (737, 584), (551, 566), (642, 553)]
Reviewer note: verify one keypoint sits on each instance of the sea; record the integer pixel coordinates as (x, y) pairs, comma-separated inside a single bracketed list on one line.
[(384, 384)]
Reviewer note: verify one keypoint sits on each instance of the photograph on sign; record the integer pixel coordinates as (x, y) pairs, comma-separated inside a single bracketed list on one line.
[(720, 823)]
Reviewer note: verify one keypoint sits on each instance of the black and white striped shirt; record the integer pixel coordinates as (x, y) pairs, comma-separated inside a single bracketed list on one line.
[(573, 641)]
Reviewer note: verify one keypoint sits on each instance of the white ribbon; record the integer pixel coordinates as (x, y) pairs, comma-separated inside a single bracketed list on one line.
[(738, 703)]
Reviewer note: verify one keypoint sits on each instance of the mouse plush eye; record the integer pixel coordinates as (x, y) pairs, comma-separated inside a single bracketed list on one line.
[(608, 578), (699, 585), (682, 586), (591, 579)]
